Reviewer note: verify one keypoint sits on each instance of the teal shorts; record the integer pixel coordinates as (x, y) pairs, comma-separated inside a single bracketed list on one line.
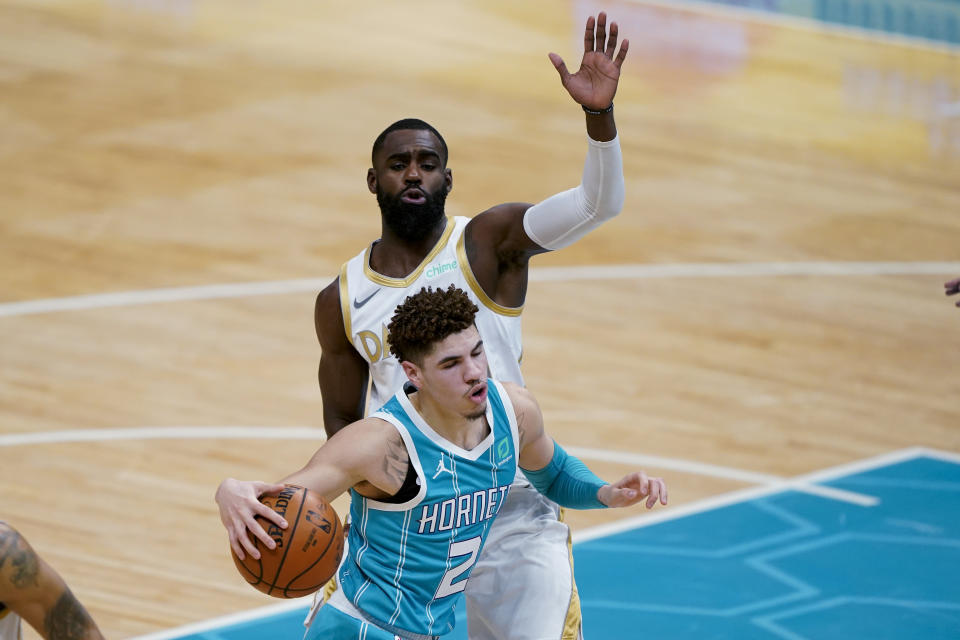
[(333, 624)]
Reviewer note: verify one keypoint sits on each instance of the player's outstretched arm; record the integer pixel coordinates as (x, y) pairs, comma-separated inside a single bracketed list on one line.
[(501, 240), (368, 455), (564, 218), (565, 479), (37, 593), (953, 287)]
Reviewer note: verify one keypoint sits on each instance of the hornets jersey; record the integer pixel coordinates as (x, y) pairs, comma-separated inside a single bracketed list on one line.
[(408, 563), (368, 301), (9, 624)]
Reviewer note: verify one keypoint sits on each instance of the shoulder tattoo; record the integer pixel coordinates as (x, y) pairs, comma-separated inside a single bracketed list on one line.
[(18, 560), (396, 461)]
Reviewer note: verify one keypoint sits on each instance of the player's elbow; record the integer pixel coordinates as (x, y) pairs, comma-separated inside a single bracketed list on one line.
[(602, 205), (610, 203)]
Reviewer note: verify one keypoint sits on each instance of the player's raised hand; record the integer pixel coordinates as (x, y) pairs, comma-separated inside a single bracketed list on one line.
[(239, 505), (633, 488), (595, 83), (953, 287)]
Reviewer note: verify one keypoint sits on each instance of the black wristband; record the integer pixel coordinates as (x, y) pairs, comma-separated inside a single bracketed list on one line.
[(594, 112)]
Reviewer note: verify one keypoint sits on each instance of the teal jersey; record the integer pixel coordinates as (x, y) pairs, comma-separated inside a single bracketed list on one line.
[(408, 563)]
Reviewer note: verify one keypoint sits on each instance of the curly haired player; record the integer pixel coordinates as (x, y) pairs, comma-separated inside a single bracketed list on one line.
[(428, 474)]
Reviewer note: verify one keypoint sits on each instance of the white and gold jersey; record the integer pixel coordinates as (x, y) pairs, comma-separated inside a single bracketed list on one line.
[(368, 301), (9, 624)]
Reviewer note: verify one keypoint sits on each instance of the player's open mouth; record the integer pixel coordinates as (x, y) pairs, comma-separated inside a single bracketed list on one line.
[(413, 196), (479, 393)]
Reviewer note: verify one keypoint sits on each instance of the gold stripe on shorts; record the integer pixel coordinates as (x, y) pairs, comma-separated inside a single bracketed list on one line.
[(574, 621)]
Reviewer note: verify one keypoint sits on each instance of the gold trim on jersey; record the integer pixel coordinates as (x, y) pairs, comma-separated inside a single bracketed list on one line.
[(345, 302), (573, 623), (400, 283), (475, 286)]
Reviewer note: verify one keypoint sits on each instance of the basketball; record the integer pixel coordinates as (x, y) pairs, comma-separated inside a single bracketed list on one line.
[(308, 551)]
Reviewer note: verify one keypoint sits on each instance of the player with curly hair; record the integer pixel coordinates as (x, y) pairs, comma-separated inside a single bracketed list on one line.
[(428, 474)]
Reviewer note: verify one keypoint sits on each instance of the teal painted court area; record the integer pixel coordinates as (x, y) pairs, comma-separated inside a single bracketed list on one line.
[(790, 565), (780, 565), (935, 21)]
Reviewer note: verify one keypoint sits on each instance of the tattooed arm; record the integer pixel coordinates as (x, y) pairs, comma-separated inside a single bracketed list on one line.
[(367, 455), (33, 590)]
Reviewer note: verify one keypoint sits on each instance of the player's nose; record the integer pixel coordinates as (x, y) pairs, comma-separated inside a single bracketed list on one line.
[(475, 370)]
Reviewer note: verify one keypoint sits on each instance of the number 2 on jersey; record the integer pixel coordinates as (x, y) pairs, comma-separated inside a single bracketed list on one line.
[(470, 546)]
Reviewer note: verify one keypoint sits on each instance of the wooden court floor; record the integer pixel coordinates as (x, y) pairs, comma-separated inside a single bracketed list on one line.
[(772, 301)]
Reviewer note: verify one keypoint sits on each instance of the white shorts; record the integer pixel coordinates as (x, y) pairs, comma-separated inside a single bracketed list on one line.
[(522, 587)]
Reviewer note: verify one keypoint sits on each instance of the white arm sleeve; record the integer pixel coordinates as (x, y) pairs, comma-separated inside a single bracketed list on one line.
[(564, 218)]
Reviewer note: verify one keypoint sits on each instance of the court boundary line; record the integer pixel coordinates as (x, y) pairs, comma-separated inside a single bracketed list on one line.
[(537, 274), (311, 433), (751, 493), (229, 619), (748, 14), (593, 533)]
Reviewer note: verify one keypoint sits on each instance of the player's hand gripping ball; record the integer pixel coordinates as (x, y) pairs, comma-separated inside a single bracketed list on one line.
[(308, 551)]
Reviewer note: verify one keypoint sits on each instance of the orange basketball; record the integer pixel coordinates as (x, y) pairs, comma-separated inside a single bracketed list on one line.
[(308, 551)]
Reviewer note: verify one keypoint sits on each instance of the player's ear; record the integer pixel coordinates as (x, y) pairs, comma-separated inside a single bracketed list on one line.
[(448, 180), (413, 373), (372, 180)]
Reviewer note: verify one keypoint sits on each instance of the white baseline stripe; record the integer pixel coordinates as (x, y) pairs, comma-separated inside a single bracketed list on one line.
[(543, 274)]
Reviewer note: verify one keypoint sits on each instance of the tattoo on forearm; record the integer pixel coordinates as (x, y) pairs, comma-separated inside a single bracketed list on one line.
[(396, 461), (67, 620), (18, 560)]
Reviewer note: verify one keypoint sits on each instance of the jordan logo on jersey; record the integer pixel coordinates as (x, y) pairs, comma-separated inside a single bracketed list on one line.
[(441, 468)]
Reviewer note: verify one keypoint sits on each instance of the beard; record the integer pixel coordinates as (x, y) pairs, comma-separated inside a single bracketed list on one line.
[(478, 414), (412, 222)]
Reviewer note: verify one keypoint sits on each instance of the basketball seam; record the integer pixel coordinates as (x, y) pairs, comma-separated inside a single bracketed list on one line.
[(293, 532), (320, 555)]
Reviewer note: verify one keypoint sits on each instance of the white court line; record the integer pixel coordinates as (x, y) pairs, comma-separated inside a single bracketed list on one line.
[(748, 14), (772, 482), (745, 495), (542, 274), (230, 619), (162, 433), (945, 456)]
